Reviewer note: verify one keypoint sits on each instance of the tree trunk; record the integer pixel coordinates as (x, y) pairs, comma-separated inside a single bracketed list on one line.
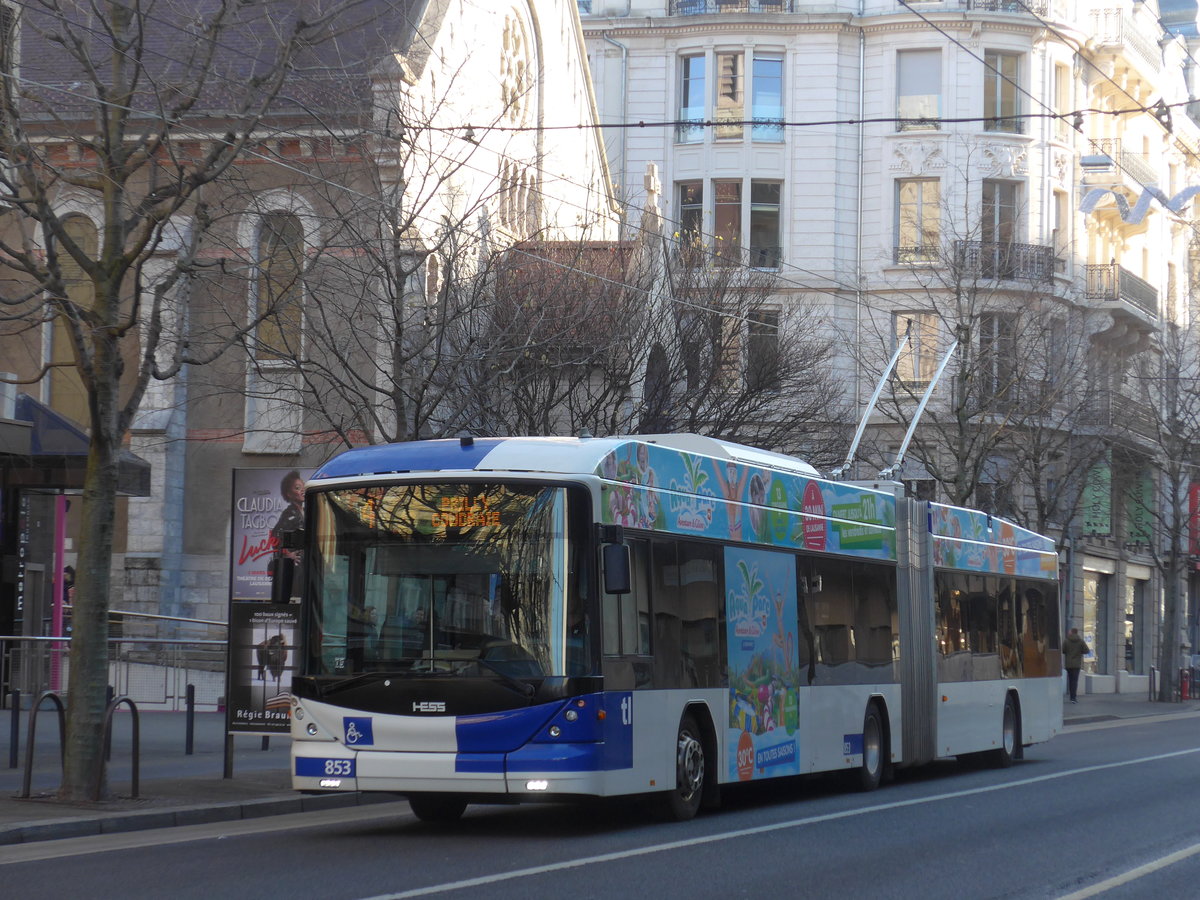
[(83, 763), (83, 770)]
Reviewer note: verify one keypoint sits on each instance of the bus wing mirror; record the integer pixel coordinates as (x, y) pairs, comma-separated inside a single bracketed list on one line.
[(282, 570), (291, 540), (616, 569)]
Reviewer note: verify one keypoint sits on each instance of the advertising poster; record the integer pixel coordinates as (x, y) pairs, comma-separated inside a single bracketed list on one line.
[(763, 664), (266, 502), (262, 657)]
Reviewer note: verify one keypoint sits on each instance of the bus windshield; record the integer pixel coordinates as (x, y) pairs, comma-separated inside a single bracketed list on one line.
[(453, 579)]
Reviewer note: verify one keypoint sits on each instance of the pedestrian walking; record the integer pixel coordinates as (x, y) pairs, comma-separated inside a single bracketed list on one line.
[(1075, 649)]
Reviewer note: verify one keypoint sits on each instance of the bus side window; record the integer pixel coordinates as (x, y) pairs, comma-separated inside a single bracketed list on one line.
[(670, 663), (700, 595), (627, 616)]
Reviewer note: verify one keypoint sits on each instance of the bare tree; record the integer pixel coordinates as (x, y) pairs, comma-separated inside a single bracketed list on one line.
[(1001, 431), (1168, 388), (132, 113)]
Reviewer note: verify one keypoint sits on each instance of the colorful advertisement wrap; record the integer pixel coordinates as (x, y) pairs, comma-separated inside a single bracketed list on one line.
[(266, 502), (668, 490), (974, 541), (763, 664), (262, 653)]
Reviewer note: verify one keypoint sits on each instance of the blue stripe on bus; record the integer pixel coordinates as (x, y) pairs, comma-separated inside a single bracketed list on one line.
[(416, 456), (558, 758), (479, 762), (500, 732)]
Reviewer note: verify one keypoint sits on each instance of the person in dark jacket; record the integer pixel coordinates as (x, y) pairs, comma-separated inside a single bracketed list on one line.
[(1075, 649)]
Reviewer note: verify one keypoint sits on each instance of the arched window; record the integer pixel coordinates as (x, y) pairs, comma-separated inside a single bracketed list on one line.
[(279, 290), (67, 394), (516, 81)]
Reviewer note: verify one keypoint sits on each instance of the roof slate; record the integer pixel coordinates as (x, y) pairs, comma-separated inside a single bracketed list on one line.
[(328, 76)]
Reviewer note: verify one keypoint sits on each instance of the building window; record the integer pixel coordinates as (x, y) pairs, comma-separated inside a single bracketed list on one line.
[(279, 294), (67, 394), (918, 89), (515, 72), (730, 108), (762, 351), (765, 250), (691, 213), (726, 105), (1060, 237), (727, 219), (732, 220), (768, 98), (1002, 92), (997, 356), (1062, 102), (692, 96), (918, 219), (998, 229), (919, 360)]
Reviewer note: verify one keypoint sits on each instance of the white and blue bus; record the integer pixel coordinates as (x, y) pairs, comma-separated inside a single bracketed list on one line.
[(513, 619)]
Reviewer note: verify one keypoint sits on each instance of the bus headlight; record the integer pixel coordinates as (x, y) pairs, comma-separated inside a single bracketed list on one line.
[(312, 728)]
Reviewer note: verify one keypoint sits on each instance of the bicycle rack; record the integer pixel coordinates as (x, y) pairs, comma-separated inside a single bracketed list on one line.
[(62, 738), (136, 724)]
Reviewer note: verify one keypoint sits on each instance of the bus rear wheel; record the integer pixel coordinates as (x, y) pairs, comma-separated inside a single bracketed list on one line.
[(683, 802), (1003, 756), (870, 773), (437, 808)]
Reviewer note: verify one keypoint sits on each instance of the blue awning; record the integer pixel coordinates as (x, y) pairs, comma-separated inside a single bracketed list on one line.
[(57, 455)]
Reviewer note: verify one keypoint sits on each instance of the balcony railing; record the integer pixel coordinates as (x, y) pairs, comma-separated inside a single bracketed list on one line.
[(1113, 283), (1133, 164), (1028, 7), (1006, 260), (703, 7), (906, 255), (1109, 409)]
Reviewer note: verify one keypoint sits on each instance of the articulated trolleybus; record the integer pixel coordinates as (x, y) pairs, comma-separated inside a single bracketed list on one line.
[(512, 619)]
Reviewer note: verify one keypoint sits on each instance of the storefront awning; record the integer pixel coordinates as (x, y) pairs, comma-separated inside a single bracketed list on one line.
[(55, 454)]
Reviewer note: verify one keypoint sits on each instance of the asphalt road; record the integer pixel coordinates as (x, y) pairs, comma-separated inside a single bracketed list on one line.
[(1111, 806)]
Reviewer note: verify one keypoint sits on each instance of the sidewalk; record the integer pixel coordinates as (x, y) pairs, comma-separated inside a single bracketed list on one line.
[(174, 788), (177, 789)]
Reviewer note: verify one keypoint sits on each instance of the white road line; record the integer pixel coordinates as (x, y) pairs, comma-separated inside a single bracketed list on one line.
[(1133, 874), (484, 880), (102, 843)]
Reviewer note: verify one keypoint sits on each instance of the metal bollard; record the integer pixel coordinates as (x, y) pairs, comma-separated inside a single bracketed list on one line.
[(109, 693), (190, 706), (14, 731)]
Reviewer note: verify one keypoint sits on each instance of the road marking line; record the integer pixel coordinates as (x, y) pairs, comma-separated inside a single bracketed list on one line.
[(1133, 874), (485, 880)]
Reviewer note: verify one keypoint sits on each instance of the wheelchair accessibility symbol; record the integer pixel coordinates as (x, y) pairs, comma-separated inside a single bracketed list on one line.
[(357, 732)]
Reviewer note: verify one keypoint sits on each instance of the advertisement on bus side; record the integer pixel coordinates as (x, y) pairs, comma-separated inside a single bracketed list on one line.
[(669, 490), (764, 670)]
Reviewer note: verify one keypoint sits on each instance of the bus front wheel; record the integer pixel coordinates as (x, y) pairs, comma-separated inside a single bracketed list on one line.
[(870, 773), (437, 808), (683, 802)]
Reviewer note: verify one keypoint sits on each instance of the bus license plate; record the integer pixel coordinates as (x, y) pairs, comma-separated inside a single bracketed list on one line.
[(308, 767)]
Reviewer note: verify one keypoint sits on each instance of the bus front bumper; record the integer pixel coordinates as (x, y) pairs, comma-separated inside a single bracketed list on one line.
[(331, 767)]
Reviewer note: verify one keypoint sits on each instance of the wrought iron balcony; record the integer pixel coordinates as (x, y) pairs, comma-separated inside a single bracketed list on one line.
[(1028, 7), (1005, 260), (1135, 165), (1113, 283), (1111, 409), (704, 7), (908, 255)]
